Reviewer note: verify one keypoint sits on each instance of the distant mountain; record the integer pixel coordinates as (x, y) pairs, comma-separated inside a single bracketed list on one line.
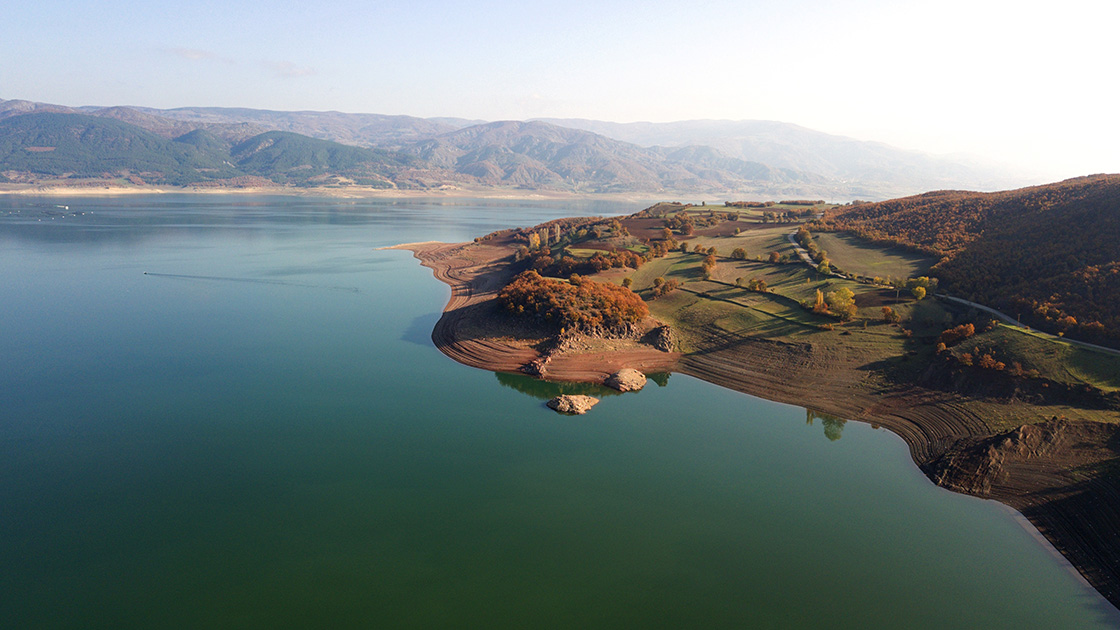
[(743, 159), (1048, 253), (80, 145), (291, 158), (18, 108), (874, 167), (538, 154), (61, 144), (364, 130), (170, 128)]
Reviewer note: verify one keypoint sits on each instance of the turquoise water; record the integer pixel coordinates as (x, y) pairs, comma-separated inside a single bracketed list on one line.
[(262, 435)]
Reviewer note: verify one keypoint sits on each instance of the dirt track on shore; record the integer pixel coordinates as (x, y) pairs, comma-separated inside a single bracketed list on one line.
[(1044, 471)]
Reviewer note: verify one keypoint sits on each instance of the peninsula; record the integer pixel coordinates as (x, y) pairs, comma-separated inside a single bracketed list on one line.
[(864, 332)]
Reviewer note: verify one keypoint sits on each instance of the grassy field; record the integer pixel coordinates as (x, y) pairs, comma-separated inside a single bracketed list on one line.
[(757, 242), (1054, 359), (718, 304), (703, 307), (854, 255)]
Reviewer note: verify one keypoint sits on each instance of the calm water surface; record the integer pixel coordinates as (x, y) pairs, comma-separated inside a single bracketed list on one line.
[(259, 434)]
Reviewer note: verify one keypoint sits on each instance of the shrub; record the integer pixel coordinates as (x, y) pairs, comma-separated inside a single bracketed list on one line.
[(953, 336)]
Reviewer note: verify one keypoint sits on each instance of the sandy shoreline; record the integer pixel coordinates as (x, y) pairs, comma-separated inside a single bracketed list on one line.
[(945, 432)]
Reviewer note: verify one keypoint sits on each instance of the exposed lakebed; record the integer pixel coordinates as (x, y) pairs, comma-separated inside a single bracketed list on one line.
[(259, 432)]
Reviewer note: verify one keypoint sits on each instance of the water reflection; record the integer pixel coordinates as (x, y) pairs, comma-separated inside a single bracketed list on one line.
[(545, 390), (833, 425)]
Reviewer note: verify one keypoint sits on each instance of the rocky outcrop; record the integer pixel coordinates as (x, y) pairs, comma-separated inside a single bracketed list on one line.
[(661, 338), (626, 380), (537, 366), (975, 466), (573, 404)]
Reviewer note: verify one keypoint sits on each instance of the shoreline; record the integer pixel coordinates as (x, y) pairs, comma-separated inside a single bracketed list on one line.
[(354, 192), (944, 431)]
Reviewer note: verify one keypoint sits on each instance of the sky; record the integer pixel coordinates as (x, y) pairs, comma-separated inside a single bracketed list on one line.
[(1023, 83)]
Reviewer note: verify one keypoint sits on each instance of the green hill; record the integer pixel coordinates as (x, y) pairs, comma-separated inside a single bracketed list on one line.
[(77, 145), (88, 146), (205, 141), (1049, 254), (291, 158)]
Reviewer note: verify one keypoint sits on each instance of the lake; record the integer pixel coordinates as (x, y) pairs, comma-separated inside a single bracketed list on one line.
[(227, 412)]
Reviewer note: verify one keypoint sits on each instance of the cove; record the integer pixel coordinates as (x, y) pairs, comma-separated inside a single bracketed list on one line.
[(259, 433)]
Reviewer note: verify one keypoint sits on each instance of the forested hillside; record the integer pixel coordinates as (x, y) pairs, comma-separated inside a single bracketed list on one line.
[(1049, 254), (288, 157), (87, 146), (69, 145)]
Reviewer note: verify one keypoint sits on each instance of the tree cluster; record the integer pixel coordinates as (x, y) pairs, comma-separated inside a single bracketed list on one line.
[(748, 204), (840, 303), (578, 305), (661, 286), (953, 336)]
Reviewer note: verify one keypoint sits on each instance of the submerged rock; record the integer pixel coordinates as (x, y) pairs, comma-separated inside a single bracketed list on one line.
[(626, 380), (573, 404)]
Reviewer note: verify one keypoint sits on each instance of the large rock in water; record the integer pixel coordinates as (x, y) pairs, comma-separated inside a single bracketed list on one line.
[(626, 380), (568, 403)]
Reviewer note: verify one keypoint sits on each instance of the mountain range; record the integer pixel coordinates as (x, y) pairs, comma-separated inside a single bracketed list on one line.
[(729, 158)]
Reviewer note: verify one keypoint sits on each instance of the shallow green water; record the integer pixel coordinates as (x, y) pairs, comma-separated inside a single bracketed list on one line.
[(263, 436)]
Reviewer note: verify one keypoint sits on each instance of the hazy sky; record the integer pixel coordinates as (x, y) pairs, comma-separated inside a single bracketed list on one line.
[(1018, 81)]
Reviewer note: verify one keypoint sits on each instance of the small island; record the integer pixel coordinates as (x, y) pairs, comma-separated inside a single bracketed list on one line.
[(829, 307)]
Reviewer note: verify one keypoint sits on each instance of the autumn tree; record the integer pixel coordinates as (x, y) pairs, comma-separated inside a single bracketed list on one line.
[(953, 336), (842, 303), (819, 305), (590, 306)]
